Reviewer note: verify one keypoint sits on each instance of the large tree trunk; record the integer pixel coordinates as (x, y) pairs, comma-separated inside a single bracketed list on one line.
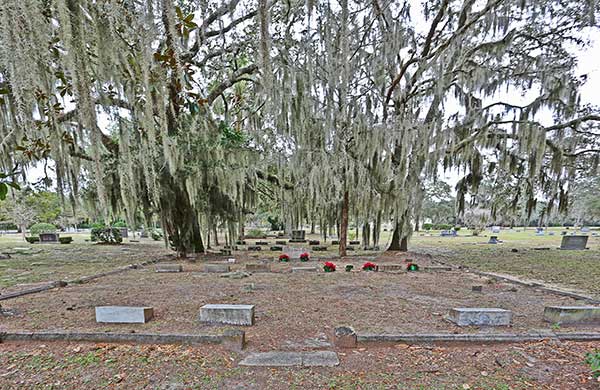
[(399, 242), (179, 218), (344, 225)]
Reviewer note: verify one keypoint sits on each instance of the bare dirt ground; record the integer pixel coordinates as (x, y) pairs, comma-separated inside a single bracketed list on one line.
[(294, 311), (543, 365)]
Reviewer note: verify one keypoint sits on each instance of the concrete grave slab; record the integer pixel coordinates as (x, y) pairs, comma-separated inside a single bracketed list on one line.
[(227, 314), (124, 314), (292, 359), (169, 268), (258, 267), (480, 316), (572, 314), (391, 267), (304, 269), (216, 268)]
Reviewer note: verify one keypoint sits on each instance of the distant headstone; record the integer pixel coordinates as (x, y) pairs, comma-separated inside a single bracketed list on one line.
[(216, 268), (314, 242), (493, 240), (279, 242), (335, 242), (572, 314), (48, 237), (225, 252), (574, 242), (550, 233), (258, 243), (478, 288), (496, 229), (585, 229), (254, 248), (276, 248), (298, 236), (258, 267), (319, 248), (169, 268), (124, 314), (227, 314), (437, 268), (124, 232), (479, 316)]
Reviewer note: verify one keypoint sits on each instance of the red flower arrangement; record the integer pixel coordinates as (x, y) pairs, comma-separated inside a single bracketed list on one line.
[(329, 266), (368, 266), (284, 257), (412, 267), (304, 256)]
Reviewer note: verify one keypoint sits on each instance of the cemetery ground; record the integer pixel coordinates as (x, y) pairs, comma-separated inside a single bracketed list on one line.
[(298, 312)]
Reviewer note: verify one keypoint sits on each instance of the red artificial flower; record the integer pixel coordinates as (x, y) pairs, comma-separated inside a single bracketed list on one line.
[(305, 255), (330, 265), (369, 266), (284, 257)]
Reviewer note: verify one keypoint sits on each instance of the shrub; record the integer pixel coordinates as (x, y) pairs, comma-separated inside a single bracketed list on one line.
[(156, 235), (593, 360), (65, 240), (38, 228), (255, 233), (427, 226), (106, 235), (32, 240), (120, 224), (457, 228), (442, 226)]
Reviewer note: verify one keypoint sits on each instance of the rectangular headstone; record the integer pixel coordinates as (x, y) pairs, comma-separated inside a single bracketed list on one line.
[(259, 243), (276, 248), (254, 248), (319, 248), (572, 314), (304, 269), (574, 242), (254, 267), (354, 242), (124, 314), (227, 314), (480, 316), (48, 237), (169, 268), (216, 268), (391, 267), (437, 268), (314, 242), (279, 242), (298, 236)]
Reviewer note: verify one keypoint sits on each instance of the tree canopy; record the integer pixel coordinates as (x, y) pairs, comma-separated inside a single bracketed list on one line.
[(190, 111)]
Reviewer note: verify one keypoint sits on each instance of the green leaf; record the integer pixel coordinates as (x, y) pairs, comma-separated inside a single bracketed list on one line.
[(3, 191), (14, 185)]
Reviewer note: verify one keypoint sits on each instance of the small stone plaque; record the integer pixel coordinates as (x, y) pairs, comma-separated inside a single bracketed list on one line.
[(319, 248), (227, 314), (124, 314), (276, 248), (480, 316), (254, 248), (216, 268), (314, 242)]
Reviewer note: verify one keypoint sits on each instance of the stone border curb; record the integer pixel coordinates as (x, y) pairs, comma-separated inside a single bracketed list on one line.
[(84, 279), (474, 338), (541, 286), (231, 339)]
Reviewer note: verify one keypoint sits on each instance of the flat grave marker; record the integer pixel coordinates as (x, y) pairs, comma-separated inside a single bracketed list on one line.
[(169, 268), (227, 314), (304, 269), (572, 314), (258, 267), (480, 316), (216, 268), (124, 314)]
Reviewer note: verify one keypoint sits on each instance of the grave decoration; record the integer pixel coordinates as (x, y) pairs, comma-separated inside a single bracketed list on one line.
[(304, 256), (412, 267), (329, 266), (368, 266), (349, 267), (284, 258)]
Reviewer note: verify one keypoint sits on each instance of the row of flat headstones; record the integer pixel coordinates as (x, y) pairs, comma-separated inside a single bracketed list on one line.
[(265, 267), (244, 315)]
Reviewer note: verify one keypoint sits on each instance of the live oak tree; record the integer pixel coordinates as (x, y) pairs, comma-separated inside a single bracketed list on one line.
[(339, 111)]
